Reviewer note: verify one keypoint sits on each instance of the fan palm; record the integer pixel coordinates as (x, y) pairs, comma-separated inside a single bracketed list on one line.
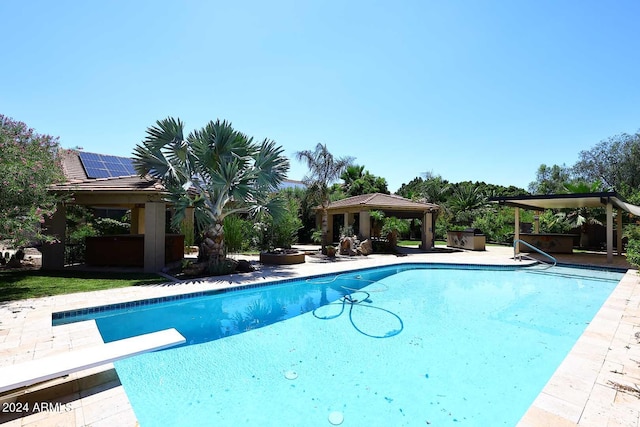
[(216, 170), (466, 200), (582, 217), (351, 174), (324, 169)]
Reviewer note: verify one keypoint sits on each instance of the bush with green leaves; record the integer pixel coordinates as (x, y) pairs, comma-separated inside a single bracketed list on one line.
[(236, 233), (497, 226), (110, 227), (30, 163), (286, 226), (551, 222), (633, 252)]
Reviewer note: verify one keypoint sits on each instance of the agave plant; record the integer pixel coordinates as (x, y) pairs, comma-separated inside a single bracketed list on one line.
[(216, 170)]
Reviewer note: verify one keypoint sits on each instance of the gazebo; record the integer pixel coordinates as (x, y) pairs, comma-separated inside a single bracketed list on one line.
[(103, 181), (608, 200), (355, 211)]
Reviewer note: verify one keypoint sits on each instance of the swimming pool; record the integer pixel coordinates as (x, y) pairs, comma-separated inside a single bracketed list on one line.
[(437, 344)]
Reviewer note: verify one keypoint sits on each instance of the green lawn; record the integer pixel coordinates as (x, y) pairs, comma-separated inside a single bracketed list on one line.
[(15, 285), (418, 242)]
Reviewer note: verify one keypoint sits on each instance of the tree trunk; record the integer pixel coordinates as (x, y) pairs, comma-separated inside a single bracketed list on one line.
[(213, 245), (325, 228)]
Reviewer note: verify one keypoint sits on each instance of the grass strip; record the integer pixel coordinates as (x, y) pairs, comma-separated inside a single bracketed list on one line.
[(17, 285)]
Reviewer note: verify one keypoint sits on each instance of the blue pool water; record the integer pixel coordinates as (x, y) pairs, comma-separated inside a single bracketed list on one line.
[(414, 346)]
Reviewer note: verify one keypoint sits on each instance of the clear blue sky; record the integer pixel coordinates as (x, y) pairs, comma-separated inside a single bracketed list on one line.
[(469, 90)]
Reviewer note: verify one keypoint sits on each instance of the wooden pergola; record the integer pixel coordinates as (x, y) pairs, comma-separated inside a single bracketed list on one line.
[(608, 200)]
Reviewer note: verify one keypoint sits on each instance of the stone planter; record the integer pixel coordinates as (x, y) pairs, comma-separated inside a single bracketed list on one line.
[(282, 258)]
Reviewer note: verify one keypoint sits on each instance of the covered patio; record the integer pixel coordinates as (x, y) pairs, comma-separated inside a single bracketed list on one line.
[(608, 200), (116, 189), (356, 214)]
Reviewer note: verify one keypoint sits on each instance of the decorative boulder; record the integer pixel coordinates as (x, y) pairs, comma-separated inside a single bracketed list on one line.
[(244, 266), (366, 247), (347, 246)]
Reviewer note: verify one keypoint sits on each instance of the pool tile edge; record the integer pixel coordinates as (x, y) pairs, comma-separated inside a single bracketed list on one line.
[(574, 394)]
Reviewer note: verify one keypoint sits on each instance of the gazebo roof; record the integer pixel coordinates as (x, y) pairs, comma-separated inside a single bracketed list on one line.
[(384, 202), (559, 201)]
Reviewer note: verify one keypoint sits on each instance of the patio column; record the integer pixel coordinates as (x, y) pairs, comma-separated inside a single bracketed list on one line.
[(427, 231), (53, 253), (365, 224), (516, 235), (348, 220), (619, 231), (609, 232), (154, 236), (137, 220)]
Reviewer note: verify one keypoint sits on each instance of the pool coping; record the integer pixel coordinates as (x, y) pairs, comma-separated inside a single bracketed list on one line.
[(29, 334)]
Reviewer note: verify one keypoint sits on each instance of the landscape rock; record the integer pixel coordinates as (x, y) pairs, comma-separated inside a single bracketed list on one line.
[(366, 247)]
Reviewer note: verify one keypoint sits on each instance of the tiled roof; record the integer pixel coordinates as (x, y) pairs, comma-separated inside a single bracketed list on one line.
[(379, 200), (77, 179)]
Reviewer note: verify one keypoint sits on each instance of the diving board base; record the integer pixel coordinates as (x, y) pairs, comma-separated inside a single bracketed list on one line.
[(60, 365)]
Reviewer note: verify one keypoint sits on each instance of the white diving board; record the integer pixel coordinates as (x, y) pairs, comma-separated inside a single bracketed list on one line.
[(58, 365)]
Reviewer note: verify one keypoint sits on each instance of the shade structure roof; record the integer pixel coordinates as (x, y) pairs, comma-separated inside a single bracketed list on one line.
[(390, 203), (560, 201)]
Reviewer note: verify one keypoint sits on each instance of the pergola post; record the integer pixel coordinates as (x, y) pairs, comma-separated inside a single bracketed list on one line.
[(365, 224), (619, 231), (137, 220), (609, 232), (427, 231), (154, 236), (516, 235), (53, 253), (346, 221)]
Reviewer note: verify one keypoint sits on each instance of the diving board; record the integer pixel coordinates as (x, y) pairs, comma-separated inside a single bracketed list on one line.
[(59, 365)]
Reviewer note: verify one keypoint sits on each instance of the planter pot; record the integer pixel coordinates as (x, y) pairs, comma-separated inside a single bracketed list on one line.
[(284, 258)]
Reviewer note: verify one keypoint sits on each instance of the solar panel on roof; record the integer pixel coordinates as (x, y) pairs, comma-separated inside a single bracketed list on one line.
[(106, 166)]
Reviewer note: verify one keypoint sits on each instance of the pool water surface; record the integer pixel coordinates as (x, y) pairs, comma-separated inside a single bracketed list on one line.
[(422, 346)]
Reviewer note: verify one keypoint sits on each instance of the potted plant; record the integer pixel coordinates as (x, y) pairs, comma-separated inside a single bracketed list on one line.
[(330, 251)]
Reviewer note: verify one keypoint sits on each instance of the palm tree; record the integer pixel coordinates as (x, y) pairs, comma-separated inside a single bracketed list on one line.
[(217, 170), (581, 218), (466, 200), (324, 169), (351, 174)]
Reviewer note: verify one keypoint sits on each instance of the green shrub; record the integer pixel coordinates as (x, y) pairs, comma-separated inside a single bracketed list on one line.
[(633, 253), (110, 227), (285, 228), (236, 233), (496, 227)]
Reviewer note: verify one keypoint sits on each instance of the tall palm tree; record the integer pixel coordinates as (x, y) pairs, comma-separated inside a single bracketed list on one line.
[(217, 170), (324, 169)]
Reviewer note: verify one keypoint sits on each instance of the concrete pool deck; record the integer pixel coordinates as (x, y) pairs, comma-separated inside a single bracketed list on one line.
[(594, 386)]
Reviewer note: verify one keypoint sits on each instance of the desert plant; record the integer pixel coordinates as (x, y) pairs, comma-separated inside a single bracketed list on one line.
[(216, 170), (392, 227)]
